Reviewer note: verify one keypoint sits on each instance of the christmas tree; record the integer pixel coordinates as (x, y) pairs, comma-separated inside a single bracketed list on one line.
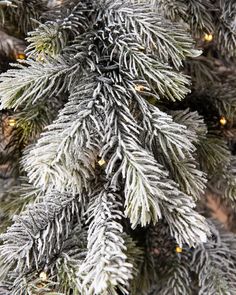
[(117, 119)]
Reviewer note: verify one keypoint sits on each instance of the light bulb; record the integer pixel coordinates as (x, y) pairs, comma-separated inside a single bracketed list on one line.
[(223, 121), (208, 37), (139, 88), (43, 276), (101, 162), (12, 122), (20, 56), (178, 249)]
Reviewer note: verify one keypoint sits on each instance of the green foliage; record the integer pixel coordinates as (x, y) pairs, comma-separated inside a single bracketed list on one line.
[(14, 199), (225, 183), (214, 149), (203, 17), (27, 11), (224, 97), (195, 13), (69, 147), (111, 165), (215, 267), (32, 120), (172, 143), (227, 30), (34, 83), (202, 71), (105, 268), (179, 280), (38, 232), (54, 35)]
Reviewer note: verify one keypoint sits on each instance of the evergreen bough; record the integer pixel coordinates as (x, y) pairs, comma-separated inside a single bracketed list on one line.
[(111, 184)]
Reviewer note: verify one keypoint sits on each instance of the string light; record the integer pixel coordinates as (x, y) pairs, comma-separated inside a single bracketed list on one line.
[(139, 88), (20, 56), (12, 122), (101, 162), (178, 249), (223, 121), (208, 37), (43, 276)]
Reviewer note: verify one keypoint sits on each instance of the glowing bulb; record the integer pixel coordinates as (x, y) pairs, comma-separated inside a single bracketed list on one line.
[(101, 162), (208, 37), (223, 121), (20, 56), (139, 88), (43, 276), (178, 249), (12, 122)]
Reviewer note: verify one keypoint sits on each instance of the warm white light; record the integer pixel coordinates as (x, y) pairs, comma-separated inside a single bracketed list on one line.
[(208, 37), (139, 88), (101, 162), (178, 249), (12, 122), (20, 56), (43, 276), (223, 121)]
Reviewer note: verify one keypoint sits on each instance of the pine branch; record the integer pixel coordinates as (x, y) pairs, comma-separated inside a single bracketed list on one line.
[(173, 139), (147, 188), (122, 53), (172, 145), (137, 165), (190, 179), (27, 11), (223, 96), (65, 155), (35, 118), (146, 276), (179, 281), (105, 269), (226, 32), (213, 264), (192, 120), (55, 34), (159, 79), (200, 17), (144, 40), (36, 81), (224, 183), (36, 235), (202, 70), (15, 196), (135, 256), (195, 13), (71, 257), (173, 9), (150, 29), (26, 85), (213, 154), (59, 276)]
